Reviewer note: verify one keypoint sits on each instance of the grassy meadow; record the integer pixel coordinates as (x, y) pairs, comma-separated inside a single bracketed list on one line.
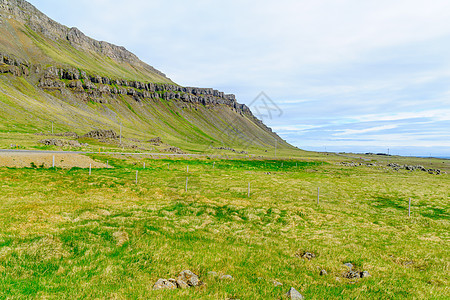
[(68, 234), (65, 234)]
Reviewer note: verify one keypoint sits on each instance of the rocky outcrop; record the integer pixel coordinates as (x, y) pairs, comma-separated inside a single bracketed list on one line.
[(101, 134), (95, 87), (155, 141), (98, 88), (62, 143), (13, 65), (28, 14), (50, 79), (175, 150)]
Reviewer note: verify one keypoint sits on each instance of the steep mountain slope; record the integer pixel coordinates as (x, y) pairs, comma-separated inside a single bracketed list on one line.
[(52, 73), (32, 37)]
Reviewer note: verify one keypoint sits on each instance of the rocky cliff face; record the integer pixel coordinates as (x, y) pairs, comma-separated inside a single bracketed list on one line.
[(39, 22), (98, 88), (88, 86)]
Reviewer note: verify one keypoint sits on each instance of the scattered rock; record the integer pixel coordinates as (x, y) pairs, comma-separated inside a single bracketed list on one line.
[(101, 134), (162, 284), (394, 166), (185, 280), (323, 272), (276, 283), (349, 265), (365, 274), (226, 277), (181, 284), (61, 143), (52, 142), (190, 278), (230, 149), (308, 255), (155, 141), (294, 294), (174, 150), (352, 275)]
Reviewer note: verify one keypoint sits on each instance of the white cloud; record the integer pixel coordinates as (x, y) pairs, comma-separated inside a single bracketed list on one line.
[(434, 115), (365, 130)]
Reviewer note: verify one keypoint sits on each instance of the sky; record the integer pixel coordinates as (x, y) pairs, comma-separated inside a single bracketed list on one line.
[(337, 75)]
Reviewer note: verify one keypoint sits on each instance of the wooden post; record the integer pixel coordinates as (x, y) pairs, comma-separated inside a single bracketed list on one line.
[(187, 178), (318, 195), (187, 169), (409, 208), (107, 165), (90, 167), (137, 177), (248, 192), (53, 164), (144, 165)]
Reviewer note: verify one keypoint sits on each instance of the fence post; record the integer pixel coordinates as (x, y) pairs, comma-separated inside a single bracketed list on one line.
[(318, 195), (248, 193), (53, 165), (137, 177), (90, 168), (187, 169), (187, 178), (409, 208)]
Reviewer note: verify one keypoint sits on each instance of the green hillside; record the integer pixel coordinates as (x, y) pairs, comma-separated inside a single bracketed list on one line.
[(52, 74)]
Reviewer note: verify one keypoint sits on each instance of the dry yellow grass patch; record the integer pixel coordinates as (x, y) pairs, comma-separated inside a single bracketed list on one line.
[(62, 160)]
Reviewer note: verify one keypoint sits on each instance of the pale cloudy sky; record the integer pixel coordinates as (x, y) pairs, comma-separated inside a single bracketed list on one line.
[(349, 75)]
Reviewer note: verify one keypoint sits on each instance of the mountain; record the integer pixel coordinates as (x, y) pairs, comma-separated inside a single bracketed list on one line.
[(53, 75)]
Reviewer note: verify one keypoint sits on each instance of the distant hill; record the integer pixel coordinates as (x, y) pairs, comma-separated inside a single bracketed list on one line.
[(53, 73)]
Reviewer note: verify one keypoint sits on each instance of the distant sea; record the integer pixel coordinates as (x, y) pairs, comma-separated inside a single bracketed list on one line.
[(441, 157)]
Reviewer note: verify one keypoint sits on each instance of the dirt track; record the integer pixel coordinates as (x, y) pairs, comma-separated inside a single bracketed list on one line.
[(62, 160)]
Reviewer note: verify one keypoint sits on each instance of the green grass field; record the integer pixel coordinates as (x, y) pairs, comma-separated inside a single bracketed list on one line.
[(65, 234)]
